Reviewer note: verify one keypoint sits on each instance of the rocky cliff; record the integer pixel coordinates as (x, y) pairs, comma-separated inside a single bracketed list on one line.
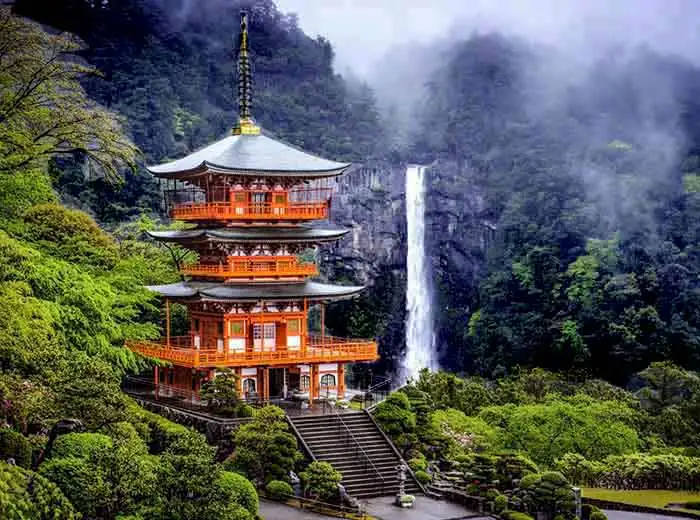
[(370, 201)]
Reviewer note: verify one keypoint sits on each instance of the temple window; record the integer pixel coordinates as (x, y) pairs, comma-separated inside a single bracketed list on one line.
[(249, 386), (237, 328), (328, 380), (305, 382)]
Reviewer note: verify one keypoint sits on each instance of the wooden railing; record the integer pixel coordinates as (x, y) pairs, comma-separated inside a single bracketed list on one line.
[(319, 349), (254, 267), (291, 211)]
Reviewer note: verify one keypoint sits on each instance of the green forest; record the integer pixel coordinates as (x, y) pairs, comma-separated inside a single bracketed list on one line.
[(574, 354)]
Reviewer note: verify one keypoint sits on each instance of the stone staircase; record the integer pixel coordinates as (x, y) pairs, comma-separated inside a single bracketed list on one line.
[(356, 447)]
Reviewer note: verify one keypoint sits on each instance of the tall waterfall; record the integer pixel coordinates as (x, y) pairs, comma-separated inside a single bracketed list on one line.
[(420, 341)]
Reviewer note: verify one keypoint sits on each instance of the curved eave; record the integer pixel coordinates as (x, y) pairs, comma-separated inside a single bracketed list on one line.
[(277, 236), (207, 167), (189, 291)]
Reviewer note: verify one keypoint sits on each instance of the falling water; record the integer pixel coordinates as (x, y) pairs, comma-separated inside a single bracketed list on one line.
[(420, 342)]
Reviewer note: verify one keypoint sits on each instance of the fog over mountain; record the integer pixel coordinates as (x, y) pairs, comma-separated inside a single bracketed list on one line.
[(363, 30)]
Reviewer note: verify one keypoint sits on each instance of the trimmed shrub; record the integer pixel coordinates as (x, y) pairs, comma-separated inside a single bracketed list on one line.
[(417, 464), (692, 505), (14, 445), (81, 445), (278, 490), (587, 510), (598, 515), (500, 503), (515, 515), (321, 480), (235, 488), (423, 477)]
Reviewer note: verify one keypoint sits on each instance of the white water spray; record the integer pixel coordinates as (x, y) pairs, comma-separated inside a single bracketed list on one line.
[(420, 341)]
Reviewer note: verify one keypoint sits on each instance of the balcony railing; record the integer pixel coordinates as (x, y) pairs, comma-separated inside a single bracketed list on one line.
[(254, 267), (251, 212), (318, 349)]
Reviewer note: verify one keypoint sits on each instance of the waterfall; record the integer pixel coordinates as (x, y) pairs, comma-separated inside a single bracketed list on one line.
[(420, 341)]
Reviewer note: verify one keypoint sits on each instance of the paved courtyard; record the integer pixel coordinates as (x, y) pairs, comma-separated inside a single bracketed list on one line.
[(425, 508), (382, 508), (276, 511)]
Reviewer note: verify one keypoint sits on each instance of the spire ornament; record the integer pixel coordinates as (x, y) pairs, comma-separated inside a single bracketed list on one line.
[(246, 123)]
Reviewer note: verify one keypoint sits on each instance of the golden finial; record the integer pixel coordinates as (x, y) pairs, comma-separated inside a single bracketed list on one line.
[(246, 123)]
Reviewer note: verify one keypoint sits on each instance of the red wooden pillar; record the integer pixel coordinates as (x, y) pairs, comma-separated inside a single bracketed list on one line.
[(341, 381), (167, 322), (266, 384), (313, 391), (156, 378)]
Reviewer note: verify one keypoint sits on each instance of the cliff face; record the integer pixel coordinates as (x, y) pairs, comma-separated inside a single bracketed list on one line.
[(370, 201)]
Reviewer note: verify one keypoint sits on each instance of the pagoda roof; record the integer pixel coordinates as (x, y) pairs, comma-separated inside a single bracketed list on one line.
[(251, 234), (250, 155), (210, 291)]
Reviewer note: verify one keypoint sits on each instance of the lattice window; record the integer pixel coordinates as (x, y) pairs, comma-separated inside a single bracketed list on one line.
[(327, 380), (305, 382), (269, 331), (238, 328), (293, 327)]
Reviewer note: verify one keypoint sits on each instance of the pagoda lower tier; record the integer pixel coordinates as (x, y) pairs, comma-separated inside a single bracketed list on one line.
[(302, 381), (256, 330)]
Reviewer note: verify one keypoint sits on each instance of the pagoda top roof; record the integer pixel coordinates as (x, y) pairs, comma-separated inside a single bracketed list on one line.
[(251, 234), (250, 155), (210, 291)]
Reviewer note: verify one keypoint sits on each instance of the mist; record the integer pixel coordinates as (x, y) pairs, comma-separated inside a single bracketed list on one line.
[(576, 52)]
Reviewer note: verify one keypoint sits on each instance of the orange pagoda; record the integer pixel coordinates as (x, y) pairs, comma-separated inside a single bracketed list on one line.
[(252, 199)]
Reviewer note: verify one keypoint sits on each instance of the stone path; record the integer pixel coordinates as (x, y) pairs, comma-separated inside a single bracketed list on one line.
[(276, 511), (424, 508)]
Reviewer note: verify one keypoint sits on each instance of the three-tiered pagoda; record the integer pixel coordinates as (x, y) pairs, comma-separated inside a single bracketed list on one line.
[(252, 199)]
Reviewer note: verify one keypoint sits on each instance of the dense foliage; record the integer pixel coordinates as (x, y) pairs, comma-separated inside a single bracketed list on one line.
[(571, 238), (70, 294), (321, 481), (265, 449), (508, 435)]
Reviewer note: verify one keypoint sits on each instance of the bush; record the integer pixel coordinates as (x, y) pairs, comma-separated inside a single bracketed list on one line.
[(321, 480), (587, 510), (24, 494), (635, 471), (500, 503), (81, 445), (14, 445), (515, 515), (423, 477), (265, 448), (598, 515), (278, 489), (465, 434), (166, 436), (417, 464), (230, 488)]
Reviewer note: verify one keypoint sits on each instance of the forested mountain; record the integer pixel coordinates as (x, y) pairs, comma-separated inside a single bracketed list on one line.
[(169, 69), (585, 182)]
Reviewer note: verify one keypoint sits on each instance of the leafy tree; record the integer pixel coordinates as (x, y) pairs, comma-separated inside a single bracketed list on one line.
[(264, 448), (24, 494), (222, 391), (44, 111), (548, 430), (321, 481)]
